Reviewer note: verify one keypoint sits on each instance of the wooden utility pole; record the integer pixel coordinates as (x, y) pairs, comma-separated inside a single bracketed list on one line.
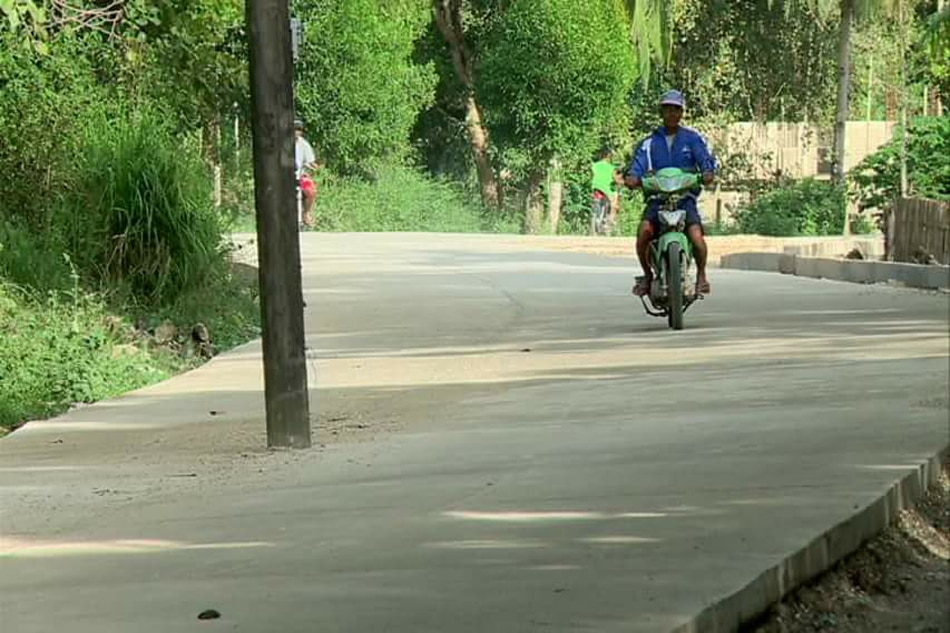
[(272, 123)]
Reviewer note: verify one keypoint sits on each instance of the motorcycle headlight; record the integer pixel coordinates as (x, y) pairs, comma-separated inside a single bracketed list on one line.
[(672, 218)]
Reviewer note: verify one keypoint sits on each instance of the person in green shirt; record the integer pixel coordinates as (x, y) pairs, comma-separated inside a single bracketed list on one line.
[(606, 177)]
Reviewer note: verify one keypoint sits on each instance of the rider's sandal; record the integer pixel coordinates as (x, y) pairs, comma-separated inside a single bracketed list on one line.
[(642, 287), (702, 288)]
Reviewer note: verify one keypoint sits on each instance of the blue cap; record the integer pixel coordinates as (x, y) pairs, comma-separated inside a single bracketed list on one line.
[(673, 97)]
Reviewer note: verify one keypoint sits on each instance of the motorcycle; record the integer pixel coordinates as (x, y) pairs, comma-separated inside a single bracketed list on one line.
[(671, 253)]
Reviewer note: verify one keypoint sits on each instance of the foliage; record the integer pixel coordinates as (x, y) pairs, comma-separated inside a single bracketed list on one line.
[(60, 351), (60, 344), (359, 88), (32, 260), (879, 46), (140, 213), (876, 180), (575, 215), (226, 303), (45, 101), (807, 207), (651, 30), (554, 80), (400, 199), (26, 20), (936, 41), (190, 56), (747, 60)]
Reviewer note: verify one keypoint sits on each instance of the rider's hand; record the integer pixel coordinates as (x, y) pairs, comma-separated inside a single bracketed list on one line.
[(632, 182), (708, 178)]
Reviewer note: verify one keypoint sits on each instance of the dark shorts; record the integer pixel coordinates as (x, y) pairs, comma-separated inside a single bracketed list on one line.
[(652, 214)]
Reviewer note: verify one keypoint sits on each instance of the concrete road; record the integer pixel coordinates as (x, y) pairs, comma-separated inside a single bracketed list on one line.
[(505, 443)]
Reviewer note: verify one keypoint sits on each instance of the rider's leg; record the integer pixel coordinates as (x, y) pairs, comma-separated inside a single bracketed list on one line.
[(308, 200), (309, 190), (701, 252), (644, 238)]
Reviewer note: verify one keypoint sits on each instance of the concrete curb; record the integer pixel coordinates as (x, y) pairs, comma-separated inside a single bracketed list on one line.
[(855, 271), (818, 556)]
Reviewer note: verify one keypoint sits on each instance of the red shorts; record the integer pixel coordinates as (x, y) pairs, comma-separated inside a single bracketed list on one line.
[(307, 185)]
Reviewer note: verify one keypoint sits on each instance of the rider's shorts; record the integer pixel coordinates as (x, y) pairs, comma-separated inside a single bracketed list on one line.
[(652, 213), (307, 185)]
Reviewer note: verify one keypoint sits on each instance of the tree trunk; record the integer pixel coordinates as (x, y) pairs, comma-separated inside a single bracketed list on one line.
[(844, 86), (533, 204), (555, 196), (218, 168), (448, 18), (843, 107), (903, 101), (211, 142), (478, 138)]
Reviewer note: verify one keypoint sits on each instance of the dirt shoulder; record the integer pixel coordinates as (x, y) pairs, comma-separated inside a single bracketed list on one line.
[(898, 581)]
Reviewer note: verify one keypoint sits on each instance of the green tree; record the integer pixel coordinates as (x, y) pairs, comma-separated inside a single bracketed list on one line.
[(465, 26), (458, 86), (937, 42), (555, 83), (847, 13), (747, 60), (876, 180), (45, 100), (358, 85)]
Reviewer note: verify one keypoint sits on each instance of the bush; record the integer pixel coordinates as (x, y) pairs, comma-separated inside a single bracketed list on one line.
[(397, 199), (578, 199), (807, 207), (877, 178), (140, 215)]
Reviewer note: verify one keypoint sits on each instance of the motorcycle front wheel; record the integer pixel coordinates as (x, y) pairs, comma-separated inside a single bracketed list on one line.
[(674, 280)]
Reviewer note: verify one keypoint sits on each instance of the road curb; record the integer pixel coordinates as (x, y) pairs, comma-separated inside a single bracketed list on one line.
[(818, 556), (930, 277)]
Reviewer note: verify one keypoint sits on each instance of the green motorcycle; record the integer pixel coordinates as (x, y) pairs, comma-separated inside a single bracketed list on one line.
[(671, 253)]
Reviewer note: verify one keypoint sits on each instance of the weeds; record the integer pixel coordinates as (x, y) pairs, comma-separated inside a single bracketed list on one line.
[(60, 350), (134, 235)]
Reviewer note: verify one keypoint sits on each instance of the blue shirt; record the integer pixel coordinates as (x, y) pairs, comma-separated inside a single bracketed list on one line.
[(690, 150)]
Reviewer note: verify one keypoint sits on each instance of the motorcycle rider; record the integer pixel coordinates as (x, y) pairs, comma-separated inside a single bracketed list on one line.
[(605, 178), (672, 145)]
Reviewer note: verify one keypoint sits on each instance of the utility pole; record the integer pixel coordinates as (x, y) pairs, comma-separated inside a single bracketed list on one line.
[(272, 116)]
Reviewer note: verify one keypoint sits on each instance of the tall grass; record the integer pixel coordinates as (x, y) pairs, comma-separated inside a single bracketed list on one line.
[(398, 199), (32, 260), (140, 215)]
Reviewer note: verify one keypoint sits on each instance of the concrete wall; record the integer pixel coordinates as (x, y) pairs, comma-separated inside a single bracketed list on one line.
[(799, 150)]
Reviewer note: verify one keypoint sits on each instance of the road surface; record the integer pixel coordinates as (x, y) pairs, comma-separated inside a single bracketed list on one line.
[(504, 442)]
